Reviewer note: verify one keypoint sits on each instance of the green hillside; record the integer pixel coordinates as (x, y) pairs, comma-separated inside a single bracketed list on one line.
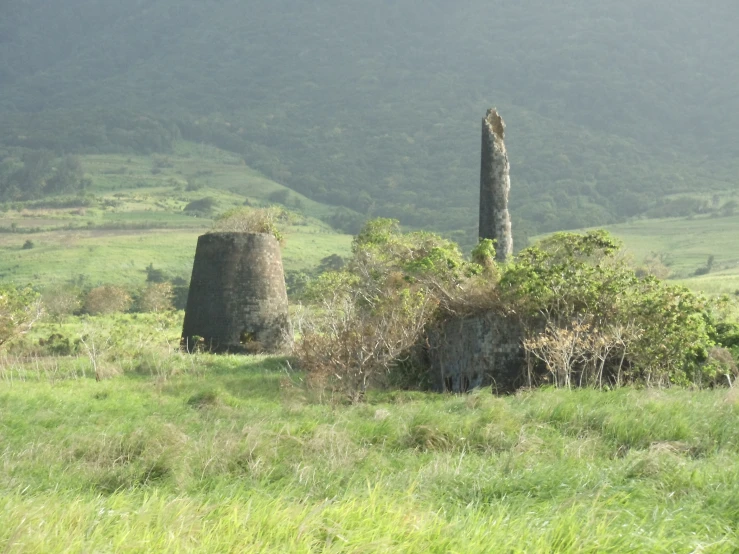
[(614, 109), (138, 212)]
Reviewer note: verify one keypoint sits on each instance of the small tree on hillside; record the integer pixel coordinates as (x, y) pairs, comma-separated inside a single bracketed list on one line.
[(107, 299), (20, 309), (61, 301), (157, 297)]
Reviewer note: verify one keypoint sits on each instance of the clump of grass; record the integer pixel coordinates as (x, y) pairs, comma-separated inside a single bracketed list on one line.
[(249, 220), (204, 399)]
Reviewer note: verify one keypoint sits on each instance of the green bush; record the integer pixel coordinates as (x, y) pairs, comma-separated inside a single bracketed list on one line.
[(20, 309), (575, 296)]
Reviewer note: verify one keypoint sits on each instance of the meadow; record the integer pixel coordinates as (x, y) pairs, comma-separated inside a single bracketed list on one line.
[(170, 452), (135, 214)]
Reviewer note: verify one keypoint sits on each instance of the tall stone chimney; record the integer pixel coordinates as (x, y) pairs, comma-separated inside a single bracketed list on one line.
[(495, 185)]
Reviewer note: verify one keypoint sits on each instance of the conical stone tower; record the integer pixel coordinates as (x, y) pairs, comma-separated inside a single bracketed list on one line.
[(237, 300)]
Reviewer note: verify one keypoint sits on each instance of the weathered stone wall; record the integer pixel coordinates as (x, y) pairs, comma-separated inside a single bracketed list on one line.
[(237, 300), (495, 186), (476, 351)]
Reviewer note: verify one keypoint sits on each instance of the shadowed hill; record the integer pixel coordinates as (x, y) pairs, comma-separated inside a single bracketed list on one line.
[(611, 106)]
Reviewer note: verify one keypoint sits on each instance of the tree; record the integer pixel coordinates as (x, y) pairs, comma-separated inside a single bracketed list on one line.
[(31, 179), (107, 299), (20, 309), (61, 301), (157, 297), (68, 176), (202, 206)]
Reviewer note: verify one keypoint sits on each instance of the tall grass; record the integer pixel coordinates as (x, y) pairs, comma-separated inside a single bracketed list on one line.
[(233, 454)]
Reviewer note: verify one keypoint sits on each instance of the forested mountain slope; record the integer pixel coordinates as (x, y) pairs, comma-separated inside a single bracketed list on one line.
[(613, 107)]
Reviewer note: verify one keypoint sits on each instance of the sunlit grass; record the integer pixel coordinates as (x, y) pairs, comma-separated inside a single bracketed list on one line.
[(202, 453)]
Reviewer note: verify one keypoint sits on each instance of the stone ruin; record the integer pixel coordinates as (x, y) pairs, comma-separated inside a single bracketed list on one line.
[(484, 349), (495, 186), (480, 350), (237, 300)]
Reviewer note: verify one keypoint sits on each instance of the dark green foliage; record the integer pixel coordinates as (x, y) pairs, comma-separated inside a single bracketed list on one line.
[(574, 286), (87, 131), (296, 282), (57, 344), (37, 173), (203, 206), (726, 334), (383, 116), (346, 221)]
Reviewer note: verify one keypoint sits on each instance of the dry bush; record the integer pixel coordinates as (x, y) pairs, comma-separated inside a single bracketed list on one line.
[(249, 220), (349, 346), (60, 302), (720, 367), (20, 309), (369, 318), (581, 353), (157, 297), (107, 299)]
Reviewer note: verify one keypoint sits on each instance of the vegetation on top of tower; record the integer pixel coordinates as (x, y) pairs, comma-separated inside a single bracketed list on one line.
[(250, 220)]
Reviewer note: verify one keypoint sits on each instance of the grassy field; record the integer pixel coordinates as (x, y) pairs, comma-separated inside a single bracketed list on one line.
[(686, 242), (173, 453), (121, 256), (136, 217)]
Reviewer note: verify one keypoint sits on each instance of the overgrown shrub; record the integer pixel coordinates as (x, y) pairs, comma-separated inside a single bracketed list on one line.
[(590, 319), (202, 206), (370, 315), (107, 299), (57, 344), (249, 220), (720, 368), (61, 301), (156, 297)]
